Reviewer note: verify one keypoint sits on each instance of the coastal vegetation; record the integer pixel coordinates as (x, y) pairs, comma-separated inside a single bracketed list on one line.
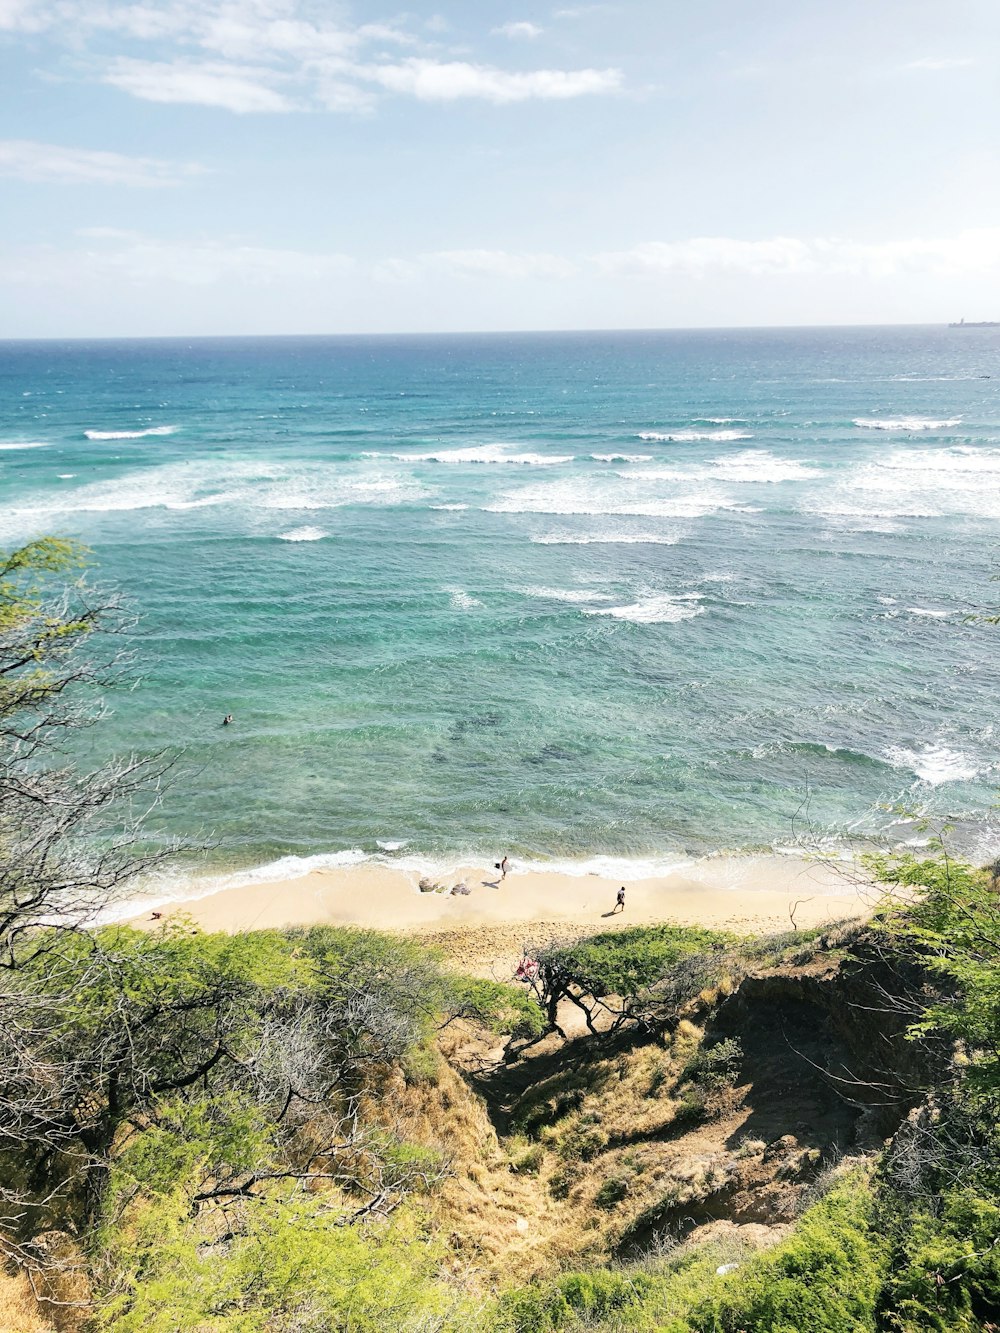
[(660, 1128)]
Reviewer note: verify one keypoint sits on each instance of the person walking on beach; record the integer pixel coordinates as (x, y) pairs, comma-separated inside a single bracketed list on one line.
[(620, 900), (503, 868)]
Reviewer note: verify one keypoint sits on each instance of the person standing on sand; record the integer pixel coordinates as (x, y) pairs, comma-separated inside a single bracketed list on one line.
[(503, 868), (620, 900)]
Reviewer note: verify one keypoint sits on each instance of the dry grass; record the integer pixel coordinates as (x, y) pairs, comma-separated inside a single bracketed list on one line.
[(19, 1312)]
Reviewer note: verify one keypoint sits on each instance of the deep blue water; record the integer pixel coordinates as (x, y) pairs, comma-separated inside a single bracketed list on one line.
[(616, 594)]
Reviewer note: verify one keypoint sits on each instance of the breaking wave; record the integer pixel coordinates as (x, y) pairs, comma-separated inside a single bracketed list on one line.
[(934, 764), (607, 539), (129, 434), (907, 423), (572, 595), (486, 453), (656, 609), (690, 436), (622, 458), (303, 535)]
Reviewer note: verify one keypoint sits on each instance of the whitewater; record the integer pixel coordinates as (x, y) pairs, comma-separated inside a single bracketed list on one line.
[(591, 599)]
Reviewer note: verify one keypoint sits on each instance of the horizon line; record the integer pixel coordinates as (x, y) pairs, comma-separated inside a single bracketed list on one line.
[(473, 333)]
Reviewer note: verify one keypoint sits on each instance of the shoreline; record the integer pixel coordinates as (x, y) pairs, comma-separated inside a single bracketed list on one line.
[(487, 929)]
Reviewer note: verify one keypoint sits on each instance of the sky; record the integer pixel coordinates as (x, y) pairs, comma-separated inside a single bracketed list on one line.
[(186, 167)]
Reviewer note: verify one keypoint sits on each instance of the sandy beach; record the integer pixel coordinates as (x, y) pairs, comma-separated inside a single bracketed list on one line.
[(486, 931)]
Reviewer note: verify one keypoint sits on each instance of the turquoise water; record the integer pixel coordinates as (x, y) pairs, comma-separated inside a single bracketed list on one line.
[(567, 596)]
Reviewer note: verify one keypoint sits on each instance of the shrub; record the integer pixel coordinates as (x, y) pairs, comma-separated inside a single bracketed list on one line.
[(690, 1107), (525, 1157), (624, 962), (501, 1008), (946, 1277), (612, 1191), (825, 1278), (555, 1305), (714, 1066)]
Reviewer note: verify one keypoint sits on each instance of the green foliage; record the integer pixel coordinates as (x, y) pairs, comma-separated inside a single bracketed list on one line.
[(714, 1066), (499, 1007), (193, 1141), (558, 1305), (22, 576), (690, 1106), (228, 1090), (825, 1278), (612, 1191), (296, 1268), (624, 962), (952, 930), (946, 1276), (40, 624), (525, 1157)]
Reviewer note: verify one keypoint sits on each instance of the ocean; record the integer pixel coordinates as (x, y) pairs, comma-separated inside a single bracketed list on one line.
[(595, 600)]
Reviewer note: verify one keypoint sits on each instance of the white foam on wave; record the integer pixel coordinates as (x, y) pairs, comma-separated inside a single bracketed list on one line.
[(206, 483), (957, 460), (23, 444), (320, 488), (484, 453), (449, 509), (918, 483), (463, 601), (607, 538), (760, 465), (749, 466), (934, 763), (907, 423), (303, 535), (924, 611), (165, 890), (572, 595), (621, 868), (692, 436), (161, 890), (655, 609), (622, 458), (624, 869), (630, 496), (129, 434)]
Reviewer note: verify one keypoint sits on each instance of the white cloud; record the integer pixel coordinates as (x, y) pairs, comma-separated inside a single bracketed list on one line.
[(234, 87), (279, 55), (136, 258), (503, 264), (933, 63), (782, 254), (516, 31), (139, 261), (31, 161), (22, 16), (578, 11), (447, 81), (966, 253)]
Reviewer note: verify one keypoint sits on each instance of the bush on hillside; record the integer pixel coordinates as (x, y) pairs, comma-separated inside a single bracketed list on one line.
[(624, 962)]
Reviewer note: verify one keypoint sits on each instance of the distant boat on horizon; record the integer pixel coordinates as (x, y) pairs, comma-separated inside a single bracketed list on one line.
[(976, 324)]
